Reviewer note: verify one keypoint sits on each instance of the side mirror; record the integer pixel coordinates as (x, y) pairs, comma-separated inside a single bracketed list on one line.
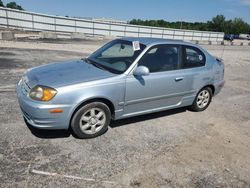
[(141, 71)]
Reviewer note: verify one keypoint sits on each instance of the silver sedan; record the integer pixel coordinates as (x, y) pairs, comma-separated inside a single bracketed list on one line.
[(124, 78)]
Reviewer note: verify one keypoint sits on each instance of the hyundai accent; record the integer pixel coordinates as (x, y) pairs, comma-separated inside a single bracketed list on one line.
[(124, 78)]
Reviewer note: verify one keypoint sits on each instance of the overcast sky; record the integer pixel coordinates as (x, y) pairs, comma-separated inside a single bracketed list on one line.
[(170, 10)]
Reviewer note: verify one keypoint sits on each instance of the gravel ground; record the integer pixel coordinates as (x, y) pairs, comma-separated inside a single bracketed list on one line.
[(175, 148)]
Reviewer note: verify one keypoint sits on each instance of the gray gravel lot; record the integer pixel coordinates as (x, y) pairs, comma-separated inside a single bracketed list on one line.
[(176, 148)]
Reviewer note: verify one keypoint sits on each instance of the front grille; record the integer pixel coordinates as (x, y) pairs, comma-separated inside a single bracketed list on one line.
[(25, 87)]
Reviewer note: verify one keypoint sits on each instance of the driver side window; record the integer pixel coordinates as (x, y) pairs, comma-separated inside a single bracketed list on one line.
[(161, 58)]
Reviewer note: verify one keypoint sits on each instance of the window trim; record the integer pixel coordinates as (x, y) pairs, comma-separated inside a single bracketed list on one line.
[(183, 58), (179, 50)]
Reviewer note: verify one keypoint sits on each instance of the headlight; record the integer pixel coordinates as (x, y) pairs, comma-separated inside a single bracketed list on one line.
[(42, 93)]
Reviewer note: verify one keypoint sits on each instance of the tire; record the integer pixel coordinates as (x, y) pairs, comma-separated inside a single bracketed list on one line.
[(91, 120), (202, 100)]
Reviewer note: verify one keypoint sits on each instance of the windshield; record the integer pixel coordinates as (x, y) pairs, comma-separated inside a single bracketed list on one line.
[(117, 55)]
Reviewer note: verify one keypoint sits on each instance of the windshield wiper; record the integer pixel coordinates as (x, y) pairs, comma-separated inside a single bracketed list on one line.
[(86, 60), (89, 61)]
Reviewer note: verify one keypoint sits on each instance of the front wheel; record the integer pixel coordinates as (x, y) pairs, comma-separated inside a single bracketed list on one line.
[(91, 120), (202, 100)]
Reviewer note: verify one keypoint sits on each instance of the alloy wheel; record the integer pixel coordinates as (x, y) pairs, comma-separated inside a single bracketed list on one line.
[(92, 121)]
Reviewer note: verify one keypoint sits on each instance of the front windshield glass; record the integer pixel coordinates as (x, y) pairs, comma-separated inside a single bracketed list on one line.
[(116, 56)]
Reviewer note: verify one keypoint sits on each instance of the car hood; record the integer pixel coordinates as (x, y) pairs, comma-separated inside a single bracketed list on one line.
[(65, 73)]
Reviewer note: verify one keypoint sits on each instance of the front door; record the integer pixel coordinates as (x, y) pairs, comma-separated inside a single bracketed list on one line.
[(163, 88)]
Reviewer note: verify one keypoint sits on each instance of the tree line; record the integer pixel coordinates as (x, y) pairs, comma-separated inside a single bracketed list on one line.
[(218, 24), (12, 5)]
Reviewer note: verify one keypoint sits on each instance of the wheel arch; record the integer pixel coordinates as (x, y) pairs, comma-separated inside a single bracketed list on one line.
[(96, 99), (210, 86)]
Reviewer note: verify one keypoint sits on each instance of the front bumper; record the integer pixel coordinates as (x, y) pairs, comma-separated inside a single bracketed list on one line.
[(38, 113)]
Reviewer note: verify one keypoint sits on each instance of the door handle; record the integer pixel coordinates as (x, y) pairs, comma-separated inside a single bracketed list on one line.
[(179, 79)]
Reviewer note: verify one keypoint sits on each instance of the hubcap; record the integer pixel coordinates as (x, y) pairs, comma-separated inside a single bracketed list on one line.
[(203, 99), (92, 121)]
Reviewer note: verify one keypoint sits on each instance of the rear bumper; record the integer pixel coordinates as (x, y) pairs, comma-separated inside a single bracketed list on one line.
[(38, 114), (218, 86)]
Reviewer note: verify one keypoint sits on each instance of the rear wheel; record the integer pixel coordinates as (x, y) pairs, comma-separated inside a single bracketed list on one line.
[(91, 120), (202, 100)]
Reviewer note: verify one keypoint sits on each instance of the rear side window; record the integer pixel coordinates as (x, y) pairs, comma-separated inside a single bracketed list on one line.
[(193, 57)]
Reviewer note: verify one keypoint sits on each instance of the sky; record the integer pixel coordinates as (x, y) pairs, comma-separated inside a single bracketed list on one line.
[(169, 10)]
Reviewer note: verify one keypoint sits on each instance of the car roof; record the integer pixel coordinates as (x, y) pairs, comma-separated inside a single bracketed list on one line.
[(150, 41)]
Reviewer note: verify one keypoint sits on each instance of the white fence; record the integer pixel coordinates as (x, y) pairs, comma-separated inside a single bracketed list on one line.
[(40, 22)]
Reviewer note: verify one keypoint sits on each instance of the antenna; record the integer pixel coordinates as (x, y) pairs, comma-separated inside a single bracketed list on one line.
[(223, 50)]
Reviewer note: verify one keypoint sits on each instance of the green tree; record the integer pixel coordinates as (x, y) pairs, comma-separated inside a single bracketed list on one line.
[(218, 23), (240, 27), (1, 3), (13, 5)]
